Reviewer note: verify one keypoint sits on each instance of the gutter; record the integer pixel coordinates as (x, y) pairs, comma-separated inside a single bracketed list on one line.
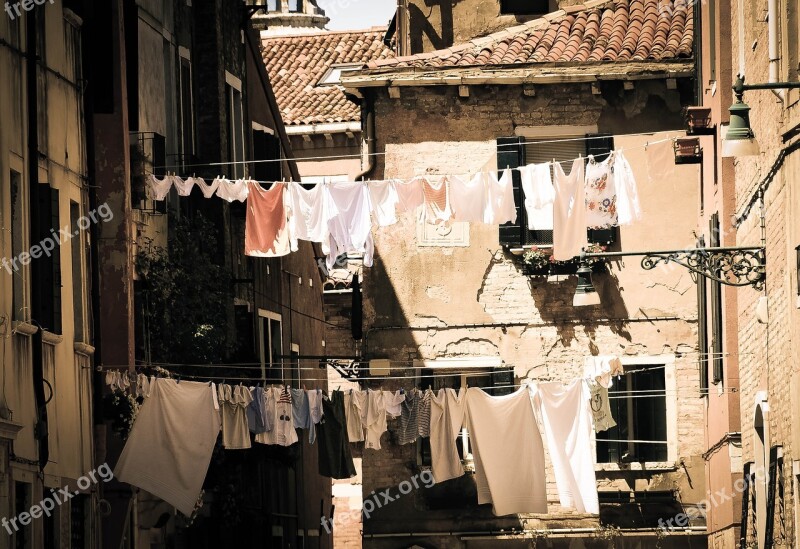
[(317, 129), (774, 57), (368, 140), (529, 534)]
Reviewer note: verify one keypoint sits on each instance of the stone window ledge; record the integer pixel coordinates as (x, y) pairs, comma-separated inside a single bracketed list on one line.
[(9, 429), (637, 466)]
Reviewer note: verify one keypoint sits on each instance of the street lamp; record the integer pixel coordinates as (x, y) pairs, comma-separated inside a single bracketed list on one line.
[(585, 294), (739, 139)]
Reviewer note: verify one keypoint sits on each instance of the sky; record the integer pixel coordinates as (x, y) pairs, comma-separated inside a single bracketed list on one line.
[(357, 14)]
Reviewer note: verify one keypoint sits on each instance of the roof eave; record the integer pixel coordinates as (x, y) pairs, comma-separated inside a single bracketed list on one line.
[(550, 73)]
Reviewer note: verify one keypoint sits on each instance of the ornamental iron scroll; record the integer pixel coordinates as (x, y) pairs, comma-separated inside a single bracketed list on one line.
[(732, 267)]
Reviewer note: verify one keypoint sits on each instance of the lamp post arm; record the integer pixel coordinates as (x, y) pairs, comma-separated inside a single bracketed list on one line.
[(731, 265)]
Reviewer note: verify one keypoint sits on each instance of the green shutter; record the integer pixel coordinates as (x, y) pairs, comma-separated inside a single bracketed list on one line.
[(510, 155)]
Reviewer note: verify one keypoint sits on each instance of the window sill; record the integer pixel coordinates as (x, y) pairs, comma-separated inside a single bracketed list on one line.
[(24, 328), (50, 338), (84, 349), (637, 466), (523, 249)]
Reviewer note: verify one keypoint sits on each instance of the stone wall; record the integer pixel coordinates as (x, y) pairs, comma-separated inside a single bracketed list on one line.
[(460, 300)]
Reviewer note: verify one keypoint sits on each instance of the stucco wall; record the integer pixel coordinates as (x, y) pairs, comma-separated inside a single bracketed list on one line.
[(429, 295)]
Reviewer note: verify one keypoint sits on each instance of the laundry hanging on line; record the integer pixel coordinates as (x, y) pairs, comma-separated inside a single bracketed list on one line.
[(340, 215)]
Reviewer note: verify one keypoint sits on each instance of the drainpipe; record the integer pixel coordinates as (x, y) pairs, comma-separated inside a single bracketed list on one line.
[(368, 141), (774, 57)]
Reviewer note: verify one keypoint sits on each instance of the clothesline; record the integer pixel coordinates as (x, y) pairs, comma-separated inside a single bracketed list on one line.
[(360, 155)]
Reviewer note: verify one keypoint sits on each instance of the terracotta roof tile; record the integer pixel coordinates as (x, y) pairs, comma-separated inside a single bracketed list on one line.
[(297, 63), (596, 31)]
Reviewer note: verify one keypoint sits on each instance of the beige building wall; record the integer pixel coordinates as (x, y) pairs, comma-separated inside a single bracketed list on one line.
[(67, 356)]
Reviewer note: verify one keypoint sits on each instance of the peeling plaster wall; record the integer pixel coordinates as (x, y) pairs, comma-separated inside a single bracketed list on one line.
[(423, 298)]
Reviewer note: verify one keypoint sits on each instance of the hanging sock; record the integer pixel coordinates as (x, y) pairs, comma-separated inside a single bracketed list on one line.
[(266, 231), (537, 185), (567, 420), (468, 197), (158, 189), (569, 212), (184, 187), (500, 207), (231, 191), (208, 189), (508, 452)]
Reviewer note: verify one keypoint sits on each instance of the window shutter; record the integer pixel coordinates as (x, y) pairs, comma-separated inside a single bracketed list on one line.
[(745, 519), (599, 145), (702, 328), (502, 378), (775, 474), (510, 155), (716, 308), (49, 267)]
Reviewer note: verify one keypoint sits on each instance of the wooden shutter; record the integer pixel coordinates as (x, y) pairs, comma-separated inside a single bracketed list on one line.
[(510, 155), (716, 308), (773, 495), (745, 519), (702, 327), (502, 378), (49, 267)]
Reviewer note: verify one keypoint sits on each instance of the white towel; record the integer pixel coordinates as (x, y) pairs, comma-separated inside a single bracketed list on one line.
[(170, 445), (508, 452), (567, 420)]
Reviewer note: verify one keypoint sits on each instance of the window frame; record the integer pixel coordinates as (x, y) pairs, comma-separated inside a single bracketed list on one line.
[(342, 68), (236, 127), (671, 415), (186, 93), (265, 319)]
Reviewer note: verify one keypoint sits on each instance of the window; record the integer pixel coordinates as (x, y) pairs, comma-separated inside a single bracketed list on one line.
[(273, 5), (702, 326), (513, 152), (187, 111), (524, 7), (23, 538), (639, 406), (51, 523), (294, 365), (334, 74), (77, 244), (487, 377), (271, 348), (79, 521), (233, 97), (296, 6), (19, 208), (50, 266), (775, 494), (266, 146), (716, 308)]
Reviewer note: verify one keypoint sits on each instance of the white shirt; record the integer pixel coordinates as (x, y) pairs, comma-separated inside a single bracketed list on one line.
[(569, 212), (383, 202), (537, 185), (468, 197), (500, 206), (350, 226), (309, 212)]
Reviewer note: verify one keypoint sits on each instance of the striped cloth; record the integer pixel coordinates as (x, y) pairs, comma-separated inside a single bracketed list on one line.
[(408, 430), (424, 414)]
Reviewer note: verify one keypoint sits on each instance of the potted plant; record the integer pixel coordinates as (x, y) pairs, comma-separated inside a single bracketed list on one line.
[(536, 261)]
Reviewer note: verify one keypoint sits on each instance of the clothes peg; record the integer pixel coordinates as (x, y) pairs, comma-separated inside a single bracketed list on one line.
[(177, 379), (402, 391)]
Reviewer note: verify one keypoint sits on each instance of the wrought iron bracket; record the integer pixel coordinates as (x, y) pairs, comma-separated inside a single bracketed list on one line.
[(732, 266)]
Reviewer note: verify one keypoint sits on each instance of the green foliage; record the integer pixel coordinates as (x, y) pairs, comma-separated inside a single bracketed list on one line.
[(185, 295)]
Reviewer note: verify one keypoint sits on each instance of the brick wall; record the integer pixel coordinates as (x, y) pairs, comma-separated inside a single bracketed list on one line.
[(428, 296), (769, 352)]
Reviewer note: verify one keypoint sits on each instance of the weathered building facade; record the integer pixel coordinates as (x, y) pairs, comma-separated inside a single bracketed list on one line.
[(457, 299), (759, 205), (189, 95), (46, 436)]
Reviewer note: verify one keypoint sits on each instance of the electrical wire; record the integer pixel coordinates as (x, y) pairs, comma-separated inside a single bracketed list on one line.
[(353, 156)]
